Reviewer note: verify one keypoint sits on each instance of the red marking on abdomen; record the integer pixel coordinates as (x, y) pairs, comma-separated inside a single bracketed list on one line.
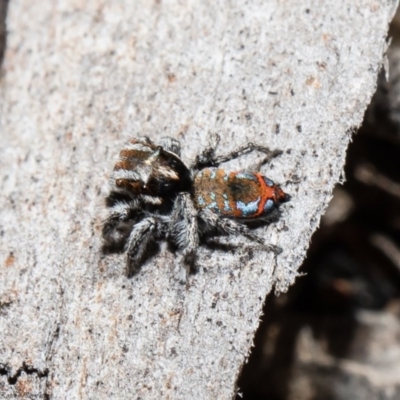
[(266, 193)]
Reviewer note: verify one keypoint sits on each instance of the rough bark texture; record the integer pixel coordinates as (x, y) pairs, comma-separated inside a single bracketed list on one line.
[(80, 78)]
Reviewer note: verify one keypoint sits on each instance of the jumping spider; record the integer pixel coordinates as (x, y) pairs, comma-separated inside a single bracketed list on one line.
[(155, 196)]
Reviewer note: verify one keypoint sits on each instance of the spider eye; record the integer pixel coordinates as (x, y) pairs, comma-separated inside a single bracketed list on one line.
[(173, 163)]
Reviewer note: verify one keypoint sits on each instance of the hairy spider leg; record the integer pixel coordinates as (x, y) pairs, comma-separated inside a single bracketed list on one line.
[(208, 158), (184, 233), (140, 237), (145, 139), (228, 226)]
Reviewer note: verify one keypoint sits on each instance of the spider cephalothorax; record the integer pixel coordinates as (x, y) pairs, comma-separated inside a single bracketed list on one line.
[(155, 196)]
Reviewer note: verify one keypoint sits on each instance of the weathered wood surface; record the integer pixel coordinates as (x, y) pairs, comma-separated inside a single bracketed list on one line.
[(81, 77)]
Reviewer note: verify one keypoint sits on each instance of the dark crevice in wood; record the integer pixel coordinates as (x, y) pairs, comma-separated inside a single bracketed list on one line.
[(3, 29), (27, 369)]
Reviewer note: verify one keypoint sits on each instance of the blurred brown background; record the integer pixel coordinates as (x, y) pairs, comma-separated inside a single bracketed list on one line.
[(336, 334)]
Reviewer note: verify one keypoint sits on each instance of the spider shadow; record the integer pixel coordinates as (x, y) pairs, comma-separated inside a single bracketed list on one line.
[(212, 239), (117, 244), (216, 245), (272, 217)]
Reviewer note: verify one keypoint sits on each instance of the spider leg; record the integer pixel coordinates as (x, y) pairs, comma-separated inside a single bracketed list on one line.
[(170, 144), (228, 226), (208, 158), (140, 237), (116, 227), (184, 233), (144, 139)]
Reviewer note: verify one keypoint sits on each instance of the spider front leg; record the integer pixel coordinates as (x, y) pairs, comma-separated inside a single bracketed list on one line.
[(167, 143), (139, 239), (170, 144), (226, 226), (208, 158), (184, 233)]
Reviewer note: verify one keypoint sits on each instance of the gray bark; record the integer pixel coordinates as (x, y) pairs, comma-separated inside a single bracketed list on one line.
[(82, 77)]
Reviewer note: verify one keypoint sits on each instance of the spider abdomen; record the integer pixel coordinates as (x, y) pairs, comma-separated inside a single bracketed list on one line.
[(239, 194)]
